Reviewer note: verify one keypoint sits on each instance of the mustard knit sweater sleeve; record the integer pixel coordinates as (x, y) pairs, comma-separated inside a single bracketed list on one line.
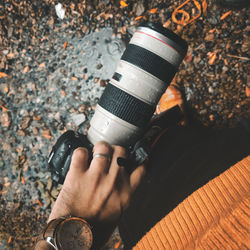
[(216, 216)]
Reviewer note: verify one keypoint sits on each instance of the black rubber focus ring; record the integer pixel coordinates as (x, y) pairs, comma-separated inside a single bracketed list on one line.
[(150, 62), (126, 106)]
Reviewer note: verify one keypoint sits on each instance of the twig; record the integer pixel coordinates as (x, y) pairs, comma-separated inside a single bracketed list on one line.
[(239, 57)]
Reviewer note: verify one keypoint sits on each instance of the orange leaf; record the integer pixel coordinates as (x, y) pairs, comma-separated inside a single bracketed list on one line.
[(2, 74), (247, 91), (46, 135), (4, 192), (152, 11), (74, 78), (212, 59), (23, 181), (3, 108), (185, 17), (26, 69), (6, 184), (9, 240), (123, 4), (40, 203), (65, 45), (225, 15), (204, 6), (63, 92), (138, 18), (117, 244), (25, 168)]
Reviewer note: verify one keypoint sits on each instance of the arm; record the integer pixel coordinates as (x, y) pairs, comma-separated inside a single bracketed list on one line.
[(99, 192)]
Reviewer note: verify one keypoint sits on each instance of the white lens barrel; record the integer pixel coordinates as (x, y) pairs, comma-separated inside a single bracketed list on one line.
[(145, 70)]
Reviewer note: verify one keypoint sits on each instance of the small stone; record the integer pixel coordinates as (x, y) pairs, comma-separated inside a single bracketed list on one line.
[(5, 118), (21, 132), (210, 90), (103, 83), (35, 131), (41, 66), (25, 122), (99, 66), (96, 79), (26, 69), (78, 119), (208, 103), (37, 117), (82, 108), (203, 112)]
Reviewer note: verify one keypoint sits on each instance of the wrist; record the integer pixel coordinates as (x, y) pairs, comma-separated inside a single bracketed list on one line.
[(43, 245)]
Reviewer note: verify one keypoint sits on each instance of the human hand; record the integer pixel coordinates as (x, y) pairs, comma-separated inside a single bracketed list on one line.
[(99, 192)]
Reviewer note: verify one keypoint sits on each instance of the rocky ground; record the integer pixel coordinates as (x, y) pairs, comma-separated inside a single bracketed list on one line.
[(52, 72)]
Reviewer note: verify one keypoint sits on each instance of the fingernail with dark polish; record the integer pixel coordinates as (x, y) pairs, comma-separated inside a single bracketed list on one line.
[(122, 162)]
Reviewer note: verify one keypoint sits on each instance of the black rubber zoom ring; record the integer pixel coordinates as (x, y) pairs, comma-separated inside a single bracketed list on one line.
[(126, 106), (150, 62)]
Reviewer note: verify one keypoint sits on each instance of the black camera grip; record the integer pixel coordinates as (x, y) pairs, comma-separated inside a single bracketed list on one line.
[(61, 154)]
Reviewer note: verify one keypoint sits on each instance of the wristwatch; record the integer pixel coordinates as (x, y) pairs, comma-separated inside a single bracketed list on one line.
[(68, 233)]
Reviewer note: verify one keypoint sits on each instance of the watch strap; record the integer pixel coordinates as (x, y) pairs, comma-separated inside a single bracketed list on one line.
[(49, 233)]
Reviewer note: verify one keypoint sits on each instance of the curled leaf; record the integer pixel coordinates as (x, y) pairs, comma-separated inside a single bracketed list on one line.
[(2, 74), (138, 18), (153, 11), (123, 4), (225, 15)]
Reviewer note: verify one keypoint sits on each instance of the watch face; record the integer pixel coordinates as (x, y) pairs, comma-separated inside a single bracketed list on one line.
[(73, 233)]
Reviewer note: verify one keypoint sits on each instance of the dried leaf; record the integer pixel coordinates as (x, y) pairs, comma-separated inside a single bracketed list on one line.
[(74, 78), (153, 11), (212, 57), (247, 91), (41, 66), (167, 23), (3, 108), (63, 92), (225, 15), (40, 203), (11, 55), (40, 184), (138, 18), (2, 74), (26, 69), (204, 6), (47, 134), (25, 168), (185, 17), (22, 179), (65, 45), (9, 240), (117, 244), (6, 184), (123, 4), (54, 193), (49, 184), (4, 192)]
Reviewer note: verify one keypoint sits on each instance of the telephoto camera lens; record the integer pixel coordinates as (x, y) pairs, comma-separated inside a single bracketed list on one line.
[(144, 72)]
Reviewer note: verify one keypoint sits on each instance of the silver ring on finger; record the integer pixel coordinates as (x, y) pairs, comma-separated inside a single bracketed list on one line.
[(106, 156)]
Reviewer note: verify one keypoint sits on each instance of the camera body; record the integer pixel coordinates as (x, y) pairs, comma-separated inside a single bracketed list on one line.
[(123, 113)]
